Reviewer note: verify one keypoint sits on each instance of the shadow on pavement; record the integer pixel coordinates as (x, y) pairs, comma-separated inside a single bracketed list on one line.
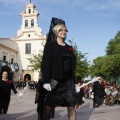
[(20, 116), (82, 114), (85, 112)]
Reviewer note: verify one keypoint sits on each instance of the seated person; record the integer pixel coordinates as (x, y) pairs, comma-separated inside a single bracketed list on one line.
[(109, 98), (108, 90)]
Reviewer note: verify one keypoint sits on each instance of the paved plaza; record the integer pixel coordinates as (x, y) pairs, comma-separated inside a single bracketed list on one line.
[(25, 109)]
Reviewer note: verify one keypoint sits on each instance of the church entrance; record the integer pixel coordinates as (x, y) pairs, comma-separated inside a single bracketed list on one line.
[(27, 77)]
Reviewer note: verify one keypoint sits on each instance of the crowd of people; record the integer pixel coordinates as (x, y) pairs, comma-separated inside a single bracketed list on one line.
[(30, 84), (102, 92)]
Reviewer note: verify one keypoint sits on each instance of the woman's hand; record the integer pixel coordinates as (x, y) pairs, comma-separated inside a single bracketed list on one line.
[(77, 89), (19, 94), (47, 86)]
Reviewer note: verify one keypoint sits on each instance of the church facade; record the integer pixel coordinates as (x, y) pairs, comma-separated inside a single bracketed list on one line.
[(29, 40)]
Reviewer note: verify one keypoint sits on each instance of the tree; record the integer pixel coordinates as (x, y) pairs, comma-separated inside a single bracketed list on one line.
[(82, 65), (108, 65), (113, 53), (35, 61), (114, 45)]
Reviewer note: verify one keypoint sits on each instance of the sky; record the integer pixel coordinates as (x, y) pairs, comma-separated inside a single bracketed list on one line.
[(91, 23)]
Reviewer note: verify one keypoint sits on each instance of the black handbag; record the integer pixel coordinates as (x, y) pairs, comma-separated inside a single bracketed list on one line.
[(53, 83)]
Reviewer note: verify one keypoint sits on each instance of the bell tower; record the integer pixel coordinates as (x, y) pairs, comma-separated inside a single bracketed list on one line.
[(30, 17), (29, 28)]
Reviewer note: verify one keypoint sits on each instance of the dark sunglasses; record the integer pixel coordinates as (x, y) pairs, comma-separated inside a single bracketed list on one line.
[(61, 30)]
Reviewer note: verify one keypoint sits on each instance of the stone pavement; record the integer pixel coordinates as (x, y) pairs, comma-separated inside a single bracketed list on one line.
[(25, 109)]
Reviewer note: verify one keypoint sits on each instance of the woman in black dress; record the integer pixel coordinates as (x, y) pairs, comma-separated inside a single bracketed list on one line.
[(79, 97), (59, 64), (99, 92), (5, 91)]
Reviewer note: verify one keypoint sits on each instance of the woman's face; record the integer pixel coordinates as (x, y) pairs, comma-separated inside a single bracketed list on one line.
[(62, 32), (4, 75), (100, 79)]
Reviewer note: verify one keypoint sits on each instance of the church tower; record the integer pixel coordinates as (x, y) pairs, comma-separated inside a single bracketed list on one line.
[(29, 28), (30, 41)]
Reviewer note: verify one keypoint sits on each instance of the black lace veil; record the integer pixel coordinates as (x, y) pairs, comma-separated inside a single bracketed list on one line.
[(51, 36)]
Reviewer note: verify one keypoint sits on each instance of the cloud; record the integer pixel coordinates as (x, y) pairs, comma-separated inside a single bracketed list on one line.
[(100, 5), (12, 3), (89, 5), (11, 7)]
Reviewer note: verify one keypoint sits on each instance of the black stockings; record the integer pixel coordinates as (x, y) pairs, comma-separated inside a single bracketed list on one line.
[(48, 113), (3, 111)]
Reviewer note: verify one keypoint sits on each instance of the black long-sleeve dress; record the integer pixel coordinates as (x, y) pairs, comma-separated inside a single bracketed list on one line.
[(99, 93), (59, 63), (5, 93), (79, 97)]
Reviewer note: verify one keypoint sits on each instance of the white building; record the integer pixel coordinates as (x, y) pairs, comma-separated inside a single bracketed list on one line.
[(28, 41)]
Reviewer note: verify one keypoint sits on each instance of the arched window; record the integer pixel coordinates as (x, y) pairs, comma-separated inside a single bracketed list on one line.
[(26, 23), (29, 10), (32, 23)]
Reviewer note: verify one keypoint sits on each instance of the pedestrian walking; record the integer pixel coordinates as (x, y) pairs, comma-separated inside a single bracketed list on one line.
[(79, 97), (5, 92), (58, 70), (99, 92)]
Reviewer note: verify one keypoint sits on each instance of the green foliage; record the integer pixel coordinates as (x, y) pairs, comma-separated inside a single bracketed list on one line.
[(82, 65), (108, 65), (35, 61), (114, 45)]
